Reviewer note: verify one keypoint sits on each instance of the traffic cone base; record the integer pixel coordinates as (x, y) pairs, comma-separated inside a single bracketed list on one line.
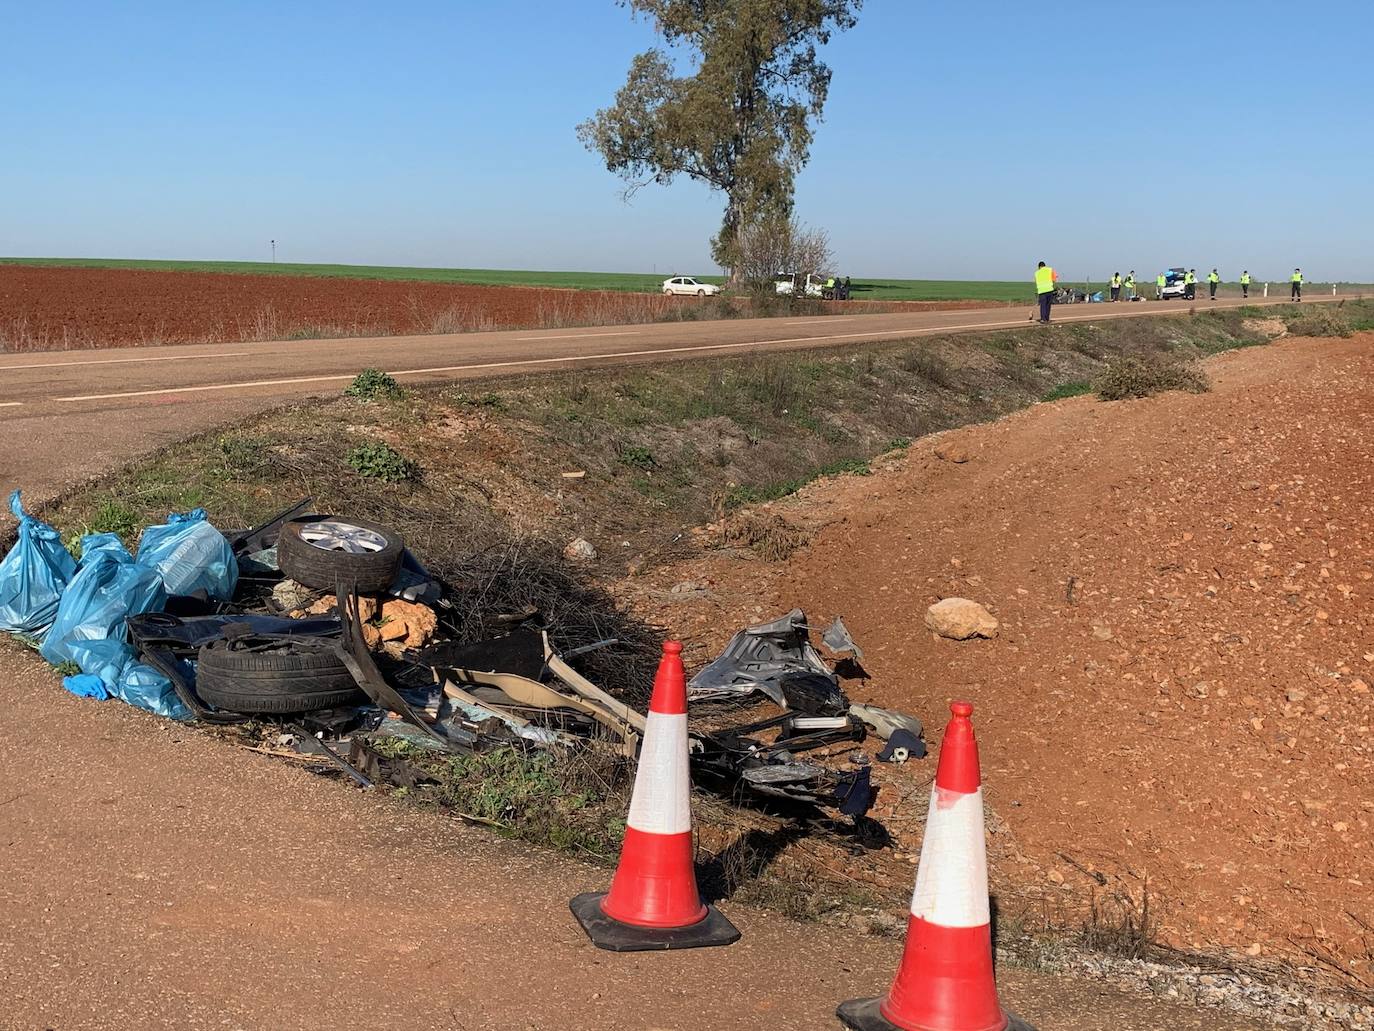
[(867, 1015), (615, 936)]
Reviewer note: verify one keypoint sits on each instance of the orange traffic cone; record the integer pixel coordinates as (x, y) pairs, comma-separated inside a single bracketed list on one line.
[(945, 980), (653, 902)]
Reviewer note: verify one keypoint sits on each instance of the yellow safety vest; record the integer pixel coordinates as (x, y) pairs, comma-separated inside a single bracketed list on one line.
[(1213, 278), (1297, 277), (1159, 281), (1116, 282), (1044, 280), (1130, 280), (1190, 279), (1245, 279)]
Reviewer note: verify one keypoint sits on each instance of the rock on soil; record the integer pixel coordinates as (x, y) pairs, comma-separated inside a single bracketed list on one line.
[(951, 452), (960, 619), (580, 550)]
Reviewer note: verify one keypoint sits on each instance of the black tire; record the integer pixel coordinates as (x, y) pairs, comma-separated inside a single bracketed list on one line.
[(323, 569), (303, 678)]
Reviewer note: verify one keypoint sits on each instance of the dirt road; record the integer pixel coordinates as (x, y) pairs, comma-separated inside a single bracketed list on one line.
[(67, 416), (152, 877)]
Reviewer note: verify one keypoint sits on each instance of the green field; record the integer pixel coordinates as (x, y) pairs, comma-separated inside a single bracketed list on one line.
[(636, 282), (625, 281)]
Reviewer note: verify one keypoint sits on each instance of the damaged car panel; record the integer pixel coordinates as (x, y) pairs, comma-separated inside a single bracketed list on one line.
[(765, 658)]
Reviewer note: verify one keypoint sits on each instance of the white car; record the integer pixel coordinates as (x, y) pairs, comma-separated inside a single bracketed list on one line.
[(813, 286), (686, 286)]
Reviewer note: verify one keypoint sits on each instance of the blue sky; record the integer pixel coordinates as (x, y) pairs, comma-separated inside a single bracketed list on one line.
[(961, 140)]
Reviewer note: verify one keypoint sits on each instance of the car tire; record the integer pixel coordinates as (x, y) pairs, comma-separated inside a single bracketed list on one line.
[(701, 293), (359, 555), (236, 677)]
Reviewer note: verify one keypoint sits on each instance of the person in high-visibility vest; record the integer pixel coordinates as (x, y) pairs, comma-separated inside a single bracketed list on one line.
[(1190, 284), (1160, 280), (1130, 285), (1212, 280), (1116, 286), (1297, 284), (1044, 289), (1245, 283)]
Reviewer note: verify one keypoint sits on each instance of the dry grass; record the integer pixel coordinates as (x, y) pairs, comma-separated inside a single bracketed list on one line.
[(768, 535), (1134, 376)]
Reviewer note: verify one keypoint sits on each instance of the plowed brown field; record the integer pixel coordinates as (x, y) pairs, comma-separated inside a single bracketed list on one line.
[(67, 308)]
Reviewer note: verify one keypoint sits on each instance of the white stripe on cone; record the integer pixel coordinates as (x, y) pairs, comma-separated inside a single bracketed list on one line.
[(662, 803), (952, 880)]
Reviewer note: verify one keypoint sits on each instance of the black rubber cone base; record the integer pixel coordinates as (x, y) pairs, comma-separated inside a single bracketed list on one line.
[(605, 933), (865, 1015)]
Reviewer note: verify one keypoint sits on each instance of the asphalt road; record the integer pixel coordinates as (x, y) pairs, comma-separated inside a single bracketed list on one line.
[(66, 416)]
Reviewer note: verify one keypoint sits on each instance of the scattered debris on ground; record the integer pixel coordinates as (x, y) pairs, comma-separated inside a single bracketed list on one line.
[(301, 631)]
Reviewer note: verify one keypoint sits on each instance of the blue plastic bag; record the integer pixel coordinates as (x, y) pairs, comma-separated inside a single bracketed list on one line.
[(89, 626), (33, 575), (190, 555), (146, 688), (86, 685), (94, 543)]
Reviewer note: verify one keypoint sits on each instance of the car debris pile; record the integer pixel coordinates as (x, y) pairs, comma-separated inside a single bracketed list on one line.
[(330, 629)]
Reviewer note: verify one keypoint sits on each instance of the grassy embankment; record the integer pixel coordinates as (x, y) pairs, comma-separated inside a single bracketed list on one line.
[(661, 447)]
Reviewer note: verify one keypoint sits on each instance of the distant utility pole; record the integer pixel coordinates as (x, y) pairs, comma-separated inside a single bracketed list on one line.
[(274, 252)]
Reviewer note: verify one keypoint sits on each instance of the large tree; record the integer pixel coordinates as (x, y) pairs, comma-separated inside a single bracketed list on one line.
[(741, 121)]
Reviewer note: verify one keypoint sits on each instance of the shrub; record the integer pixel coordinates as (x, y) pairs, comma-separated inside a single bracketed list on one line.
[(490, 399), (1074, 389), (769, 536), (776, 385), (637, 456), (371, 384), (243, 454), (929, 366), (1320, 321), (376, 461), (1140, 377)]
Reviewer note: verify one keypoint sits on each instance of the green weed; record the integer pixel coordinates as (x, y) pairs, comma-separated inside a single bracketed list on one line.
[(377, 461), (1074, 389), (637, 457), (372, 385), (110, 515)]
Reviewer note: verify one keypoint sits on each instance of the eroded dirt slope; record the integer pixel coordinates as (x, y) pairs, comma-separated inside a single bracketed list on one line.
[(1179, 694)]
